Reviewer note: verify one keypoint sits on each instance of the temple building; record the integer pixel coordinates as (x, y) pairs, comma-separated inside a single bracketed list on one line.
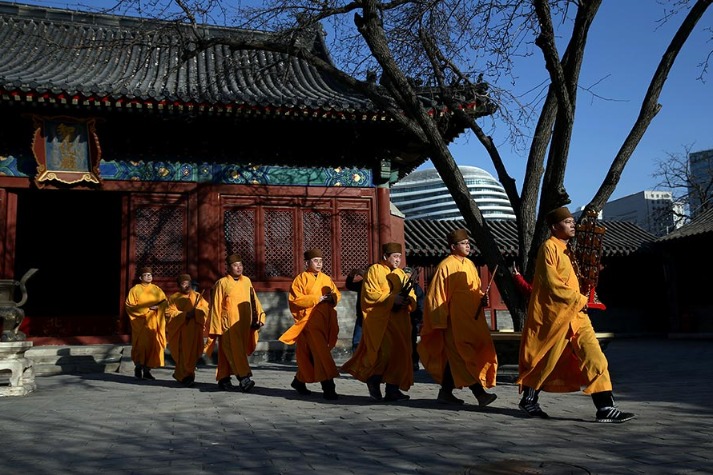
[(121, 148)]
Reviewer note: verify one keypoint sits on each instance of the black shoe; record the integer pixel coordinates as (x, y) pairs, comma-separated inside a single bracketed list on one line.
[(533, 410), (329, 390), (137, 372), (612, 414), (188, 381), (148, 375), (374, 391), (330, 394), (416, 367), (485, 399), (300, 387), (447, 397), (246, 384), (396, 396), (225, 385)]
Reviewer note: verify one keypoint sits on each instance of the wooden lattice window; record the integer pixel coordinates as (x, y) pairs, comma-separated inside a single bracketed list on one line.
[(240, 225), (271, 235), (279, 230), (160, 239), (354, 243), (317, 233)]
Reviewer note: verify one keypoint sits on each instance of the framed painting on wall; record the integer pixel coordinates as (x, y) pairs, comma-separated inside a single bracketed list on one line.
[(66, 150)]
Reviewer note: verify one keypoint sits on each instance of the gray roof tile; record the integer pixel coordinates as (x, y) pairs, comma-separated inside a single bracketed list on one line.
[(57, 51), (427, 238), (701, 224)]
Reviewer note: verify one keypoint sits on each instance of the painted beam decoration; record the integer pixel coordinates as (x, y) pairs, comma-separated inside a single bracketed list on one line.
[(234, 174), (189, 172)]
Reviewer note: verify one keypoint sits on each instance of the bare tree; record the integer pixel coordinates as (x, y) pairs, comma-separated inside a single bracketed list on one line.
[(450, 45), (694, 190)]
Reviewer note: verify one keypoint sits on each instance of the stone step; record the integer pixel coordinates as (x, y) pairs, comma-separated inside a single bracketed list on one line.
[(109, 358), (58, 359)]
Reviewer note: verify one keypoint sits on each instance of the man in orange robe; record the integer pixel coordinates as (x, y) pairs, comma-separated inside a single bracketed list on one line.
[(186, 314), (146, 306), (559, 351), (384, 351), (235, 317), (456, 347), (313, 297)]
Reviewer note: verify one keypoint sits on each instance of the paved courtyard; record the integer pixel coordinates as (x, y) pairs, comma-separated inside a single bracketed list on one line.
[(112, 423)]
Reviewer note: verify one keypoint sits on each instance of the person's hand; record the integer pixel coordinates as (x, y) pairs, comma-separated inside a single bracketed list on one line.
[(153, 307), (514, 270)]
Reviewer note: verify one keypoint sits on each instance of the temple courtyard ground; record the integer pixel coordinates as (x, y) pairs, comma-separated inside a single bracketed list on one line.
[(113, 423)]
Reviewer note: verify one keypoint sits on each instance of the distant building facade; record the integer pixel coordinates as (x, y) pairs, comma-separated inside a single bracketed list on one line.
[(700, 168), (423, 195), (653, 211)]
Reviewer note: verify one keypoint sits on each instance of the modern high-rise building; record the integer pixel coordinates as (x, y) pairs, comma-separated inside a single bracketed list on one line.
[(653, 211), (423, 195), (700, 169)]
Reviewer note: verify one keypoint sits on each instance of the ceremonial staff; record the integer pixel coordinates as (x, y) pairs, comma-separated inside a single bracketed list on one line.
[(484, 299)]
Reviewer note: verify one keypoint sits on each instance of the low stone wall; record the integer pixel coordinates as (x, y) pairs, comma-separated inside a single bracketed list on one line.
[(17, 374), (74, 359), (278, 319)]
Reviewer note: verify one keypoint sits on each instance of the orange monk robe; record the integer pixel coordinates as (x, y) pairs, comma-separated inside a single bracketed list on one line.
[(229, 322), (148, 327), (555, 327), (451, 333), (185, 335), (316, 329), (385, 345)]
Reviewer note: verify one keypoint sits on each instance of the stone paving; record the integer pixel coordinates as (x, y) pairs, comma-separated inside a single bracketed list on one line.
[(112, 423)]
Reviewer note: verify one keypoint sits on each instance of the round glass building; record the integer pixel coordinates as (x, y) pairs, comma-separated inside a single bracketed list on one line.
[(423, 195)]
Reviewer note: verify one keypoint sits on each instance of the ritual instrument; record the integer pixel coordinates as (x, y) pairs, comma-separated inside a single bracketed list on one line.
[(481, 307), (198, 299), (587, 252), (255, 322), (408, 286), (410, 282), (191, 313)]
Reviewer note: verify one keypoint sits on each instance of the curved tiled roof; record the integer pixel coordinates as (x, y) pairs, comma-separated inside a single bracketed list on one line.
[(87, 59), (427, 238), (56, 51), (702, 224)]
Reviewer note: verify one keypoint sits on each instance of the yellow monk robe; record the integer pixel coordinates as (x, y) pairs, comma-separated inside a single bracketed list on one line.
[(185, 336), (559, 351), (316, 329), (148, 327), (229, 322), (450, 332), (385, 345)]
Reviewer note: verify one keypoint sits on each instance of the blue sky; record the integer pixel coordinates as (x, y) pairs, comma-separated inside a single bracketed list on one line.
[(623, 51)]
